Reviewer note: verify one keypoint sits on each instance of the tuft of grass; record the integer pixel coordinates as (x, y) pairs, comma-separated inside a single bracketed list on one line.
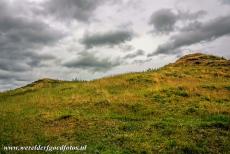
[(218, 121)]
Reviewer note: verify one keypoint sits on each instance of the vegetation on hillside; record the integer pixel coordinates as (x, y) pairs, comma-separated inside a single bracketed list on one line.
[(183, 107)]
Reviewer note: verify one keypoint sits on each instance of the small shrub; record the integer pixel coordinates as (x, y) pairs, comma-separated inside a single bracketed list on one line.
[(179, 91), (227, 88), (210, 87), (190, 150), (102, 103), (130, 127), (191, 110), (172, 143), (141, 80), (159, 98)]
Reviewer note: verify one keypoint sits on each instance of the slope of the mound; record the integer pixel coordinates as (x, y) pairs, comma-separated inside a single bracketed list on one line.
[(180, 108)]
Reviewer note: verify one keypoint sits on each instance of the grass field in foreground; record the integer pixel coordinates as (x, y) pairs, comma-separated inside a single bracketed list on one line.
[(183, 107)]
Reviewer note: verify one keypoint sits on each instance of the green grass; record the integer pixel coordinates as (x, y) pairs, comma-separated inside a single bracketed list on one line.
[(181, 108)]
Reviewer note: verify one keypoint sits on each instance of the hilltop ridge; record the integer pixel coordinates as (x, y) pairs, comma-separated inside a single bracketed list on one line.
[(202, 59), (190, 59)]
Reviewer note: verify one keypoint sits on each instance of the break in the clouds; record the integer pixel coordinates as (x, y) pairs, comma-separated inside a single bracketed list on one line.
[(94, 38), (109, 38)]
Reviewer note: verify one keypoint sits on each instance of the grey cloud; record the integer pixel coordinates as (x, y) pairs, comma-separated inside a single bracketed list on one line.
[(21, 37), (16, 27), (227, 2), (23, 30), (23, 61), (13, 66), (18, 76), (187, 15), (164, 20), (192, 26), (19, 33), (135, 54), (89, 61), (6, 76), (126, 47), (81, 10), (9, 80), (109, 38), (36, 60), (207, 31)]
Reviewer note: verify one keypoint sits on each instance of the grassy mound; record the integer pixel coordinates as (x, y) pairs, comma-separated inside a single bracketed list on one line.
[(181, 108)]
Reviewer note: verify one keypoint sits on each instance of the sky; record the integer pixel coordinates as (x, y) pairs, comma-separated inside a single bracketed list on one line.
[(90, 39)]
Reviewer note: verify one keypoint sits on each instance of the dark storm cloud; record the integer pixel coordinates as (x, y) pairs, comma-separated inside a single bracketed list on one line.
[(21, 37), (89, 61), (19, 34), (207, 31), (18, 28), (81, 10), (135, 54), (110, 38), (164, 20)]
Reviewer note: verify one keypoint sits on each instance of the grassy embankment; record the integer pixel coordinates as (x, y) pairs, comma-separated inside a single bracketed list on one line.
[(181, 108)]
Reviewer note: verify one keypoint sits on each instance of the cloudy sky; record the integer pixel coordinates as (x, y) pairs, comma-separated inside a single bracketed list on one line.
[(88, 39)]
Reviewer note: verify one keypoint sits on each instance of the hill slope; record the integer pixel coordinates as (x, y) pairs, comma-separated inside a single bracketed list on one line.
[(183, 107)]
